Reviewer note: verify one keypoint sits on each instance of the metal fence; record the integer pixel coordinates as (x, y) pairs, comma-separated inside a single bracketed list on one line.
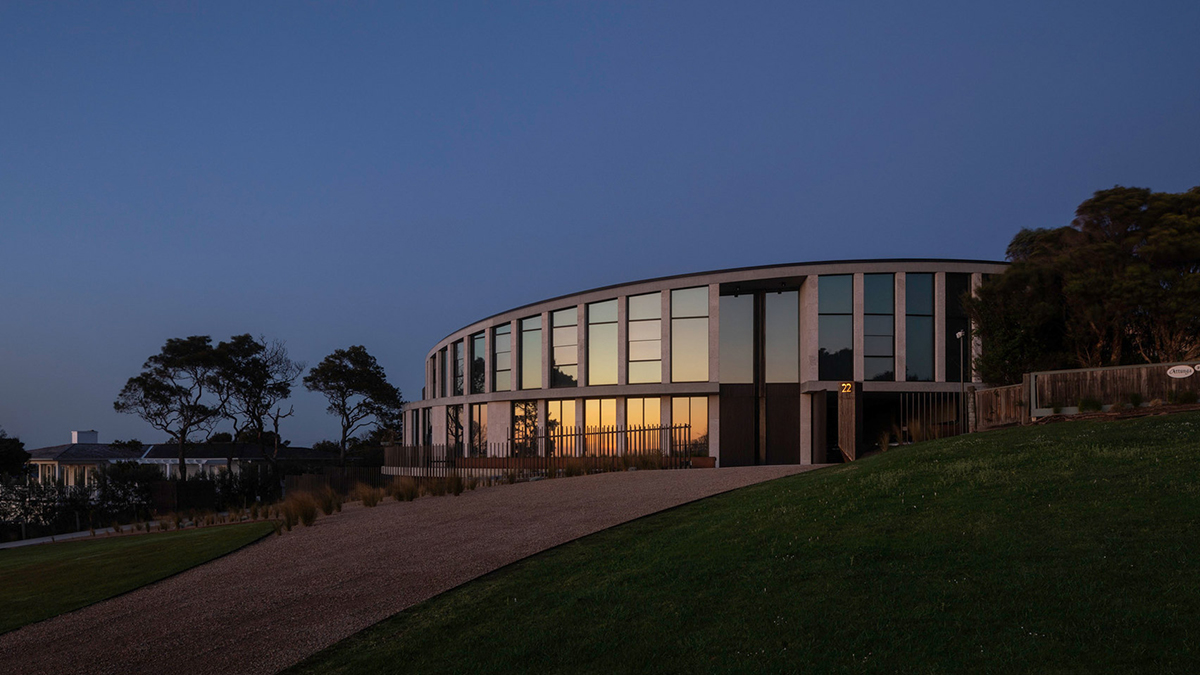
[(560, 452)]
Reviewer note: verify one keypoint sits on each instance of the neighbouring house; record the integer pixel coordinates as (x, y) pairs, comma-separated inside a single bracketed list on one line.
[(73, 463)]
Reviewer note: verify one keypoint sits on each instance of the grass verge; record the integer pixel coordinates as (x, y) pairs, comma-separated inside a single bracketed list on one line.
[(1060, 548), (42, 581)]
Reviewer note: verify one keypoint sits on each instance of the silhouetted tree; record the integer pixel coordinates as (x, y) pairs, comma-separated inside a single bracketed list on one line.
[(176, 392), (254, 377), (12, 455), (357, 390)]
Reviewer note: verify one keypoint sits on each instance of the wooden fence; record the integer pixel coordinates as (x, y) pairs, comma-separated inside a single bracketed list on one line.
[(1000, 407), (1064, 390)]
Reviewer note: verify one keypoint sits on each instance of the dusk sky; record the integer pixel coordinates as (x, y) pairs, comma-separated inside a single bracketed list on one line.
[(377, 174)]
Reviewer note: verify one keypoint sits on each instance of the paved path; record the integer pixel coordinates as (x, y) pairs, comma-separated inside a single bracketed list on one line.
[(271, 604)]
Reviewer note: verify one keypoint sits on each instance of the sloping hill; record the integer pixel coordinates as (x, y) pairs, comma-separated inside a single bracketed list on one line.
[(1063, 548)]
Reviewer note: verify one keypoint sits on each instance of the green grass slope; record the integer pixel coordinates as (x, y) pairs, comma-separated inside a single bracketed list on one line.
[(38, 582), (1064, 548)]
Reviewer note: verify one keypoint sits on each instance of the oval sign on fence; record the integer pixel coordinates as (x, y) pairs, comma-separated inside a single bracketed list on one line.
[(1180, 372)]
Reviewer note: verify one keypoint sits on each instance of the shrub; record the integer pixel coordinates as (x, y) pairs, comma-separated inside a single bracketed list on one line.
[(405, 489), (1090, 404), (574, 467), (1187, 398), (455, 485), (437, 487), (328, 499), (1135, 399)]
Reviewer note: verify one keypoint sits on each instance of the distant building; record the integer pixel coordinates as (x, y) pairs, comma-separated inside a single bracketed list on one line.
[(782, 364), (73, 463)]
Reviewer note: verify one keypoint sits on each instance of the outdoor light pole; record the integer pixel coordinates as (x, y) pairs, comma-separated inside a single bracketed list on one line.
[(962, 374)]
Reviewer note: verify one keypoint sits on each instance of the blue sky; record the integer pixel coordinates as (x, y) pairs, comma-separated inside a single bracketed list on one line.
[(381, 174)]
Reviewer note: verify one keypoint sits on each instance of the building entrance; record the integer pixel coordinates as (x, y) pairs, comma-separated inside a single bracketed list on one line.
[(760, 375)]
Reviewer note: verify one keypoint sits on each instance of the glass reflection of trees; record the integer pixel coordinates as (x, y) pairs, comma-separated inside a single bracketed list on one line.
[(835, 327), (478, 429), (524, 428), (564, 341), (454, 430), (478, 364), (879, 341)]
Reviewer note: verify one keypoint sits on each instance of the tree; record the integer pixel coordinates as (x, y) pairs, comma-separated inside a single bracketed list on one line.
[(12, 455), (1120, 285), (176, 392), (253, 378), (357, 390)]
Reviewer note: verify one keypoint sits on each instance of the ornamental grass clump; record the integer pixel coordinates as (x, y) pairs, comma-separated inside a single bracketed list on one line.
[(329, 500), (403, 490), (369, 496), (455, 484)]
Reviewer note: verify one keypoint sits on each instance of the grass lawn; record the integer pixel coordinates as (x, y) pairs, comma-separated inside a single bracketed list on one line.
[(1072, 547), (38, 582)]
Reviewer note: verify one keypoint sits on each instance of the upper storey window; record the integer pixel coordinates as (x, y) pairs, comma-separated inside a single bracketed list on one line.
[(689, 335), (645, 338), (835, 326), (459, 367), (918, 327), (478, 365), (879, 332), (531, 353), (442, 359), (564, 338), (781, 325), (737, 339), (602, 342), (502, 358), (958, 350)]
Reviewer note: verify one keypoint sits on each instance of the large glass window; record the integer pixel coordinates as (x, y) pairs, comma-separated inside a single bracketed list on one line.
[(692, 411), (478, 365), (459, 367), (531, 353), (879, 327), (835, 327), (958, 350), (918, 327), (643, 412), (689, 335), (524, 428), (564, 343), (561, 427), (502, 358), (645, 338), (737, 339), (454, 429), (479, 425), (602, 342), (782, 324), (442, 360), (600, 415)]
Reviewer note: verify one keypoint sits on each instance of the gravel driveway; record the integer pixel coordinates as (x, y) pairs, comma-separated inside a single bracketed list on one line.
[(273, 603)]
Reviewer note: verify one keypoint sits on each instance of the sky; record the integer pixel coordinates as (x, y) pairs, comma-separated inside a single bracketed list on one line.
[(333, 174)]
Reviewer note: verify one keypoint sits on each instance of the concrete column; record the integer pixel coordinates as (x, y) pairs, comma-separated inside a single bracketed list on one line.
[(976, 341), (901, 328), (806, 430), (499, 419), (809, 330), (666, 339), (714, 336), (547, 331), (859, 346), (714, 428), (622, 340), (939, 327), (581, 345), (621, 417), (439, 424)]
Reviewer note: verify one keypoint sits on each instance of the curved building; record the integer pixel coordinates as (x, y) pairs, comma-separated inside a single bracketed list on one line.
[(797, 363)]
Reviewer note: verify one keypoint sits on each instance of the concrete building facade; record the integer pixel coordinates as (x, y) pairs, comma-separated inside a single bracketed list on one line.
[(799, 363)]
